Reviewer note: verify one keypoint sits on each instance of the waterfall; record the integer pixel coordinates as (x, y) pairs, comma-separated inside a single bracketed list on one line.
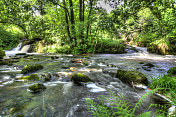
[(17, 48), (25, 48)]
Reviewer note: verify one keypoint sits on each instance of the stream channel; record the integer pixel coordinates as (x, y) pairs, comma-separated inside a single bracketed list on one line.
[(62, 98)]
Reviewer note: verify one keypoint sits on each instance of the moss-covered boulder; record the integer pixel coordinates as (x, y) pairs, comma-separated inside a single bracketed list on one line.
[(31, 68), (2, 54), (172, 71), (37, 88), (130, 77), (45, 77), (4, 63), (80, 78), (30, 77)]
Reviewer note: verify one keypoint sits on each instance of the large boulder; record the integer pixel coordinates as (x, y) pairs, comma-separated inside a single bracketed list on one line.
[(172, 71), (36, 88), (31, 68), (2, 54), (79, 78), (45, 77), (131, 77)]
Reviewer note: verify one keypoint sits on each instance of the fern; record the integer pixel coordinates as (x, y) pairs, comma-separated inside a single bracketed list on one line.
[(116, 105)]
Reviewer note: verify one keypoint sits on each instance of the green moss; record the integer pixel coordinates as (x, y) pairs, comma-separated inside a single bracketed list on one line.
[(31, 68), (2, 54), (131, 76), (45, 77), (172, 71), (37, 88), (4, 63), (30, 77), (79, 77), (85, 63)]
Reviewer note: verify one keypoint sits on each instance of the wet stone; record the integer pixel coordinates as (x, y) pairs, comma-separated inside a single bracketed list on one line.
[(36, 88)]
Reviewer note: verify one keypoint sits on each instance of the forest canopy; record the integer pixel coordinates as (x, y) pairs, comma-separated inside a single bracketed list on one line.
[(83, 26)]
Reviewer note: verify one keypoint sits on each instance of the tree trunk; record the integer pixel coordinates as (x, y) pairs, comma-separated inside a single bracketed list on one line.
[(66, 20), (72, 20), (81, 21), (88, 23)]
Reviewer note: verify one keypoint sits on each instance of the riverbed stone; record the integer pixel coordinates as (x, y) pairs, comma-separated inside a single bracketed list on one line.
[(131, 77), (148, 66), (31, 68), (2, 54), (45, 77), (172, 71), (80, 78), (37, 88)]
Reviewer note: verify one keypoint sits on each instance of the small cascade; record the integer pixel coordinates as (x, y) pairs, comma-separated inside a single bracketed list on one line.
[(17, 48), (25, 49)]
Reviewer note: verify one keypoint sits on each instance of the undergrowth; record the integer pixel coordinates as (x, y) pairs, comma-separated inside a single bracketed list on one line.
[(117, 105)]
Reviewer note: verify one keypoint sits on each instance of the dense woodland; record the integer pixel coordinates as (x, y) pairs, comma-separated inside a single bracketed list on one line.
[(82, 26)]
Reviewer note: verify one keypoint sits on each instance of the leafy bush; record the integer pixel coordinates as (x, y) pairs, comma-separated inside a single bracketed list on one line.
[(109, 46)]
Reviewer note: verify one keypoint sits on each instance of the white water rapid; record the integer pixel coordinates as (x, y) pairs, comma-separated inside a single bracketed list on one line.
[(17, 49)]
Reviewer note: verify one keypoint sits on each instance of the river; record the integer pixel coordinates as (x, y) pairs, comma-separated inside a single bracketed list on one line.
[(62, 98)]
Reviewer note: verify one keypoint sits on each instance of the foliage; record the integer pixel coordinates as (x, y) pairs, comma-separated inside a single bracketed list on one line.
[(117, 105), (9, 36), (167, 86)]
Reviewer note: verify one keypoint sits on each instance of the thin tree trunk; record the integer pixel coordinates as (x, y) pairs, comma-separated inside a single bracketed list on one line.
[(72, 20), (81, 21), (88, 23), (66, 20)]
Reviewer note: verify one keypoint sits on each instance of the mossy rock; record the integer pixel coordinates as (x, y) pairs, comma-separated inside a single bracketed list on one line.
[(148, 66), (37, 88), (2, 54), (85, 63), (45, 77), (172, 71), (18, 54), (80, 78), (4, 63), (30, 77), (130, 77), (31, 68)]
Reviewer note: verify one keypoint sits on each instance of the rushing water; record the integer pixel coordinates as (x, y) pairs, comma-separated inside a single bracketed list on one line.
[(62, 98), (18, 49)]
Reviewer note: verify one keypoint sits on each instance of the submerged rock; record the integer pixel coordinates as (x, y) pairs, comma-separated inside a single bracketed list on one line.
[(31, 68), (30, 77), (172, 71), (130, 77), (45, 77), (36, 88), (148, 66), (2, 54), (79, 78)]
